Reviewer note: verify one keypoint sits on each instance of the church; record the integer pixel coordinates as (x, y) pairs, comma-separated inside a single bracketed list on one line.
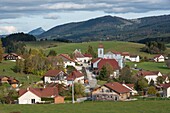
[(110, 55)]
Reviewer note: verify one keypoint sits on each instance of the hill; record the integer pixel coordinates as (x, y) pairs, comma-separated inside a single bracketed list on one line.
[(111, 28), (133, 48), (37, 31)]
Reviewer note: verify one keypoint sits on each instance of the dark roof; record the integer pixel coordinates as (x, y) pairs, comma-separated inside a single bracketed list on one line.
[(66, 57), (73, 75), (87, 55), (52, 73), (41, 92), (117, 87), (112, 62), (165, 85), (146, 73)]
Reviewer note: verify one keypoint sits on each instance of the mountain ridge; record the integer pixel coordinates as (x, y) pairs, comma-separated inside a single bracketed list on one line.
[(111, 28)]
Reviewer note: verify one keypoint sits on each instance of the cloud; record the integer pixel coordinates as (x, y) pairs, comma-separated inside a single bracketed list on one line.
[(20, 8), (7, 29), (51, 16)]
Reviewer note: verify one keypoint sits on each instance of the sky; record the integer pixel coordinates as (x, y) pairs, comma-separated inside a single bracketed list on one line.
[(26, 15)]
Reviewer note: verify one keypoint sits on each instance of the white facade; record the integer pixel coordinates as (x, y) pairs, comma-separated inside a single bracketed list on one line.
[(48, 79), (117, 57), (69, 63), (152, 77), (29, 98), (77, 80), (166, 92), (134, 59), (161, 58), (132, 91)]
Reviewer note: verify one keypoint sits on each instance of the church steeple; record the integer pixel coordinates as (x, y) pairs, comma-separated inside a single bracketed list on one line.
[(100, 50)]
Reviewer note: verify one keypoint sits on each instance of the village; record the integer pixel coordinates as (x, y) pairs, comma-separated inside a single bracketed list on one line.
[(79, 79)]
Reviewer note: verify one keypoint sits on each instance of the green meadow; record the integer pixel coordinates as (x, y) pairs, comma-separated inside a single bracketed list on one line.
[(151, 106)]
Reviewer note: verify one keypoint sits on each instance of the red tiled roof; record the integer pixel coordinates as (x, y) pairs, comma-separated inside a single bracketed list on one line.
[(125, 53), (119, 88), (52, 73), (87, 55), (112, 62), (157, 56), (41, 92), (115, 52), (165, 85), (73, 75), (146, 73), (95, 60), (67, 57)]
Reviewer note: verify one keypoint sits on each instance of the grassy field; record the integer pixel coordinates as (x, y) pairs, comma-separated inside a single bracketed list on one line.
[(8, 67), (133, 48), (153, 66), (93, 107)]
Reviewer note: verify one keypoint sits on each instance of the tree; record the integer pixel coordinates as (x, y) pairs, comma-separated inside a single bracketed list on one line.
[(141, 84), (91, 51), (126, 75), (103, 75), (1, 51), (151, 90), (79, 90), (52, 53), (19, 66), (160, 80)]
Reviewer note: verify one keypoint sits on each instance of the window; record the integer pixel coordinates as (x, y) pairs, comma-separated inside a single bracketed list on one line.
[(101, 52), (33, 101)]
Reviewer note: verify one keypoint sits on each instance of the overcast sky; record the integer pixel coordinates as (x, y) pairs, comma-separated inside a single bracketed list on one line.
[(25, 15)]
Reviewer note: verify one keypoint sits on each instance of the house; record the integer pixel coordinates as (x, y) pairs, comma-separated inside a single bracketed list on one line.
[(111, 91), (36, 95), (9, 80), (166, 90), (134, 58), (67, 60), (76, 77), (131, 88), (11, 56), (55, 76), (159, 58), (98, 63), (151, 75), (81, 58)]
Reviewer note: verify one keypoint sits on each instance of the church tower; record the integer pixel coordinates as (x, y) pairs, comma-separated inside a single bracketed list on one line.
[(100, 51)]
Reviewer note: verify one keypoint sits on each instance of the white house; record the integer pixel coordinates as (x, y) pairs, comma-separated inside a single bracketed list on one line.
[(166, 90), (35, 95), (81, 58), (159, 58), (76, 77), (67, 60), (151, 75), (12, 57), (55, 76), (134, 58)]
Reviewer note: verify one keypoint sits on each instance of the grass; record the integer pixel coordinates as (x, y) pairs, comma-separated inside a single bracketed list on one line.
[(153, 66), (101, 82), (8, 67), (93, 107), (133, 48)]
